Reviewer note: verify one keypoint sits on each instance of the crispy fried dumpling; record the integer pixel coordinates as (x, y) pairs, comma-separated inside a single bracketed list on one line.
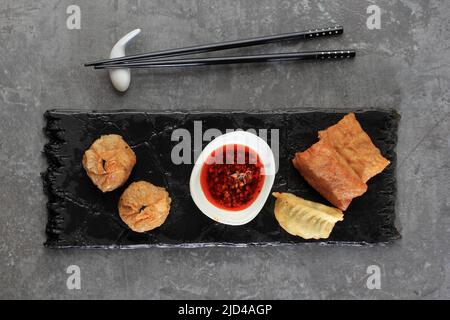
[(355, 146), (303, 218), (144, 206), (109, 162)]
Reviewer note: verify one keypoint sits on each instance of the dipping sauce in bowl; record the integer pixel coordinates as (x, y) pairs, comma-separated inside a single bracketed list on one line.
[(232, 177)]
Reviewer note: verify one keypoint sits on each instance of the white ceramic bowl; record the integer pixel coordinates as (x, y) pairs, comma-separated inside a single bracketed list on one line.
[(228, 216)]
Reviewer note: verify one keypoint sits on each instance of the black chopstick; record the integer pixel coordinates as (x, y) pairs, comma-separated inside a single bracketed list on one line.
[(308, 34), (311, 55)]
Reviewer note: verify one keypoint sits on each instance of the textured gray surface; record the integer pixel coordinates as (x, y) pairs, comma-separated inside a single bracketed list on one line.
[(405, 64)]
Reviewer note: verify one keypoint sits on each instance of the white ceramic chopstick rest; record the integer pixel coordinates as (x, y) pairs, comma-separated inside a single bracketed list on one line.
[(121, 78)]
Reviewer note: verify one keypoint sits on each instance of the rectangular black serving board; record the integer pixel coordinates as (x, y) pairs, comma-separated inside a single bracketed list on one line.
[(79, 215)]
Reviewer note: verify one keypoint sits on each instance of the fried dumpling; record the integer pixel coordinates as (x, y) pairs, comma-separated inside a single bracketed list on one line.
[(355, 146), (303, 218), (109, 162), (328, 172), (144, 206)]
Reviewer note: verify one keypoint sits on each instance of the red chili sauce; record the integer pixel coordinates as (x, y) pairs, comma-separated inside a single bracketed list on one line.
[(232, 177)]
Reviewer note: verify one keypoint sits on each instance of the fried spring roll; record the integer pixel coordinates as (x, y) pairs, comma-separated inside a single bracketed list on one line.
[(355, 146), (328, 172)]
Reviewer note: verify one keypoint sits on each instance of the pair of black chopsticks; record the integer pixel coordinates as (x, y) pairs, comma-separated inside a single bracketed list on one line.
[(159, 58)]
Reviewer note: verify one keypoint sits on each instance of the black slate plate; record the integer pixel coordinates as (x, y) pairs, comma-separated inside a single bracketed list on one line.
[(79, 215)]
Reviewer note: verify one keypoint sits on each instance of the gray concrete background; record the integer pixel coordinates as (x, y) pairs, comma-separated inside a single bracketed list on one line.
[(405, 64)]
